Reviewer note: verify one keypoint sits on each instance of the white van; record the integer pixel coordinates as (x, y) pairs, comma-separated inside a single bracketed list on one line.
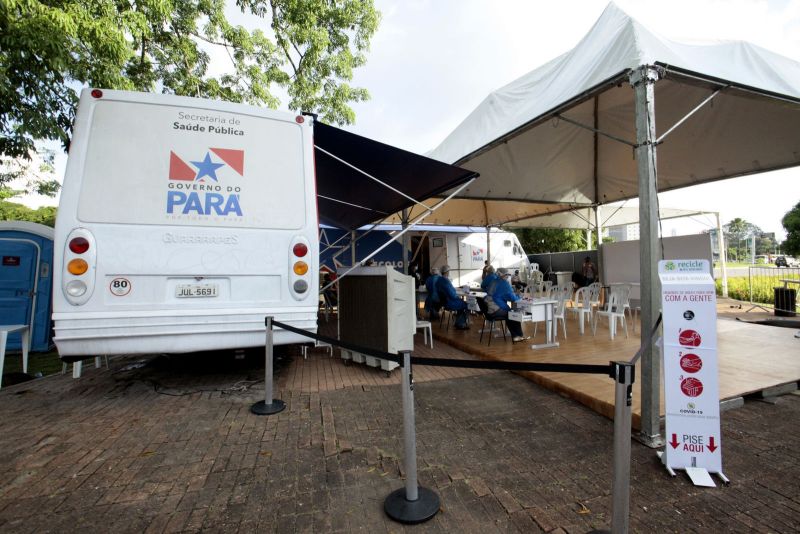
[(463, 248), (182, 224)]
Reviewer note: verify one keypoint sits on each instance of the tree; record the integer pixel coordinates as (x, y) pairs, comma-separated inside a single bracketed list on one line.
[(11, 211), (50, 48), (791, 223), (34, 174), (539, 240), (737, 233)]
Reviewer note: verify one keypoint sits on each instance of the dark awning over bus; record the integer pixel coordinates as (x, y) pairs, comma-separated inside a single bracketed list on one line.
[(348, 198)]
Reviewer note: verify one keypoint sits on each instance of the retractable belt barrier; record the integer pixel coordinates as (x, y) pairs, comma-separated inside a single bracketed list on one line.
[(415, 504)]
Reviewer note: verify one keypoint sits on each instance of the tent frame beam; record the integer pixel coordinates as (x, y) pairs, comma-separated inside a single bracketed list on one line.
[(686, 117), (595, 130), (410, 225), (368, 175)]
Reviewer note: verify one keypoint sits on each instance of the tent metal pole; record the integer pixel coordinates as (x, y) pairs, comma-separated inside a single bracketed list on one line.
[(488, 235), (406, 240), (353, 240), (598, 224), (723, 257), (595, 164), (643, 80)]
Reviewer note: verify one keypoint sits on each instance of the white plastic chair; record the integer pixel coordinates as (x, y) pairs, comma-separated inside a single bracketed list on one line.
[(535, 282), (624, 292), (559, 311), (546, 285), (613, 311), (594, 289), (427, 331), (582, 306)]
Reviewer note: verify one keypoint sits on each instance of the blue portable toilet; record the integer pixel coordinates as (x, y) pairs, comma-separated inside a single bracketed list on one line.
[(26, 281)]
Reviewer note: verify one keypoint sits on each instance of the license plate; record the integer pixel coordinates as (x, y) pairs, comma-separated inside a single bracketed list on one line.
[(196, 290)]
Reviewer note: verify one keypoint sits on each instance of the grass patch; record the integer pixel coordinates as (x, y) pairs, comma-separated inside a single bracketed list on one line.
[(47, 363), (763, 288)]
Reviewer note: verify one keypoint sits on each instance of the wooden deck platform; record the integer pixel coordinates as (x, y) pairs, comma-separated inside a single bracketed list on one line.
[(751, 359)]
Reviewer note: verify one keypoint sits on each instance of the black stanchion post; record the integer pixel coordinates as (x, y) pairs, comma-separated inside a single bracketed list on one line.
[(269, 405), (411, 504), (621, 484), (621, 491)]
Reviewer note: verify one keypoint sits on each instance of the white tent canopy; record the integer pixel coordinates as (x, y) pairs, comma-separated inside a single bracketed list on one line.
[(627, 113), (584, 219), (521, 142)]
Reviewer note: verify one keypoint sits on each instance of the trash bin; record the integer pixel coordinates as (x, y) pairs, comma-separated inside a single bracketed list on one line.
[(785, 299)]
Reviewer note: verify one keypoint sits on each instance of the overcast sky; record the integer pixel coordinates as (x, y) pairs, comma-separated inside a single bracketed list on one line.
[(433, 61)]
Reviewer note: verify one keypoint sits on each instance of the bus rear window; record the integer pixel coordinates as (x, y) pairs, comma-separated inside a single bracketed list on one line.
[(165, 165)]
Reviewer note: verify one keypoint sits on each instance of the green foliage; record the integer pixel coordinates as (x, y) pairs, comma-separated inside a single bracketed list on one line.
[(48, 49), (763, 289), (34, 174), (539, 240), (11, 211), (737, 238), (791, 223)]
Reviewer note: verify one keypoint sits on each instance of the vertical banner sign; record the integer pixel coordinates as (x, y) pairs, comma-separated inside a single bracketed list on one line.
[(691, 384)]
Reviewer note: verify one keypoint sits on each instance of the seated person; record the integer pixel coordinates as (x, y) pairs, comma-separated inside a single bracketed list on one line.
[(488, 278), (517, 282), (432, 302), (500, 294), (450, 299)]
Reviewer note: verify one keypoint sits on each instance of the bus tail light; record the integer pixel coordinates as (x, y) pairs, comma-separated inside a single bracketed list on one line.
[(77, 266), (79, 263), (300, 268), (300, 250), (300, 272), (79, 245)]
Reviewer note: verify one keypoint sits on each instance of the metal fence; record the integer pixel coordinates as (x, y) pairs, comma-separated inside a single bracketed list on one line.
[(776, 287)]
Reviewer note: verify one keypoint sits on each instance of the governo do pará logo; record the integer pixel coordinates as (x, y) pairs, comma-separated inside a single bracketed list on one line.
[(197, 184)]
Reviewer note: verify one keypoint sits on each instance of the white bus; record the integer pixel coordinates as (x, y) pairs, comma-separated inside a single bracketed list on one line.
[(183, 223)]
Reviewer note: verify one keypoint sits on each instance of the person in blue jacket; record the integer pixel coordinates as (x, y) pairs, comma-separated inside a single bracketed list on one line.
[(432, 304), (490, 277), (500, 294), (450, 299)]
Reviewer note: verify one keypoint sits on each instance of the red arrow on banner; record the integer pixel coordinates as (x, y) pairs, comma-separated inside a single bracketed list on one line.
[(675, 441), (711, 445)]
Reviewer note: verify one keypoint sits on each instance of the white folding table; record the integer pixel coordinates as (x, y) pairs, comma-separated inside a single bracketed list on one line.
[(534, 311)]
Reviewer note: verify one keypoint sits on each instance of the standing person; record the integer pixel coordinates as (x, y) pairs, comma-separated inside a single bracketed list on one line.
[(487, 269), (500, 294), (447, 293), (432, 302), (589, 271), (489, 276), (413, 273)]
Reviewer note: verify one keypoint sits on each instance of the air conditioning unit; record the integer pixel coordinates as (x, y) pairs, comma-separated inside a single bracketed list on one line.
[(376, 311)]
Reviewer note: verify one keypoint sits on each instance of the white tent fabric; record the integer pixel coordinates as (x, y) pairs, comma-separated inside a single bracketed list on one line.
[(583, 218), (521, 142), (468, 212)]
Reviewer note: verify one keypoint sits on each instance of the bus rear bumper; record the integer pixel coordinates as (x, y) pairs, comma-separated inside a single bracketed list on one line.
[(77, 337)]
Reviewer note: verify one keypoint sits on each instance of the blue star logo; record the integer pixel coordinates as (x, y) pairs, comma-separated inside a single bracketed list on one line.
[(207, 168)]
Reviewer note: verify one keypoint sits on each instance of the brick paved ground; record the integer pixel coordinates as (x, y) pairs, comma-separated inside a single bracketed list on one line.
[(108, 453)]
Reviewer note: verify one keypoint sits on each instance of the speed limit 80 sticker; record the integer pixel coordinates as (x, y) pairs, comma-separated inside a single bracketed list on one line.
[(120, 287)]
